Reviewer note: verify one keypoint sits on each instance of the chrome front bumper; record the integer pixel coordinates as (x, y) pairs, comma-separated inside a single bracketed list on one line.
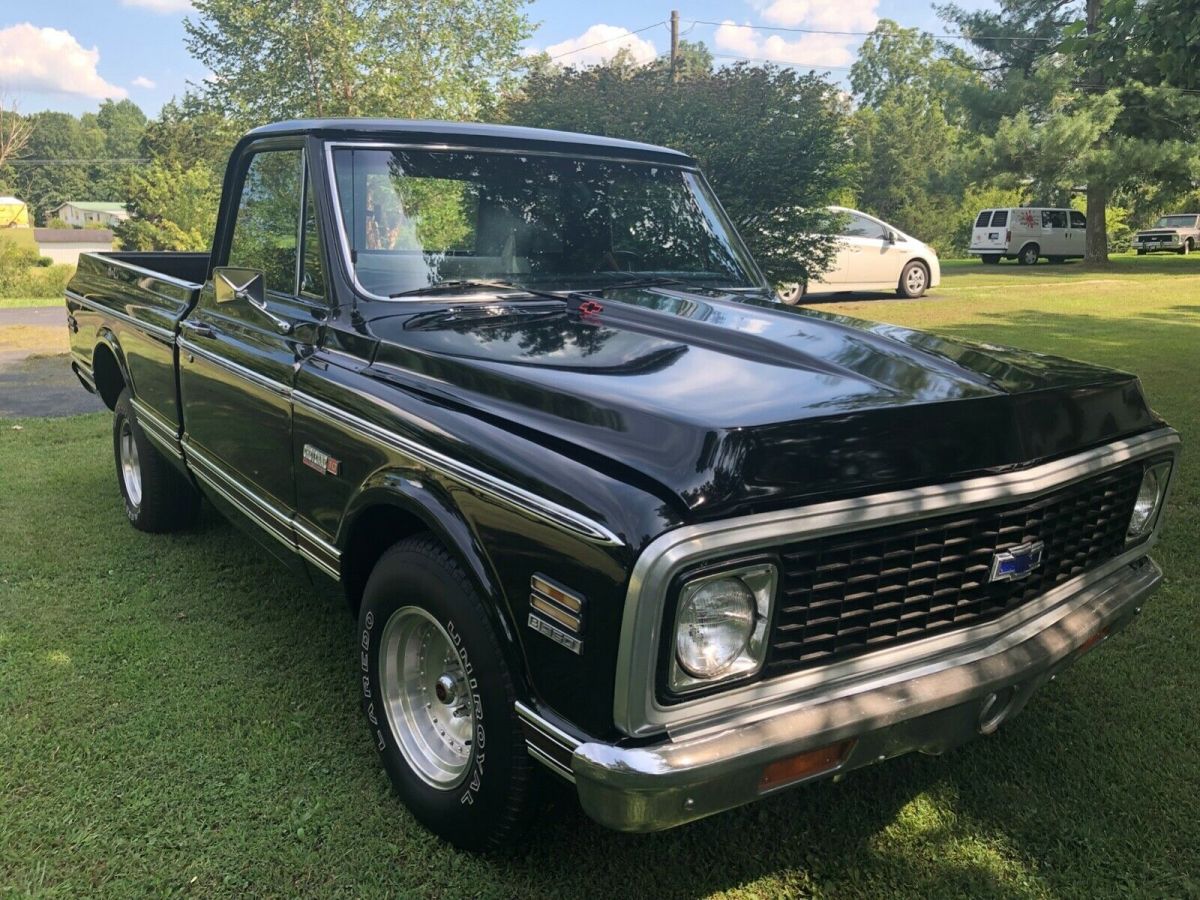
[(702, 772)]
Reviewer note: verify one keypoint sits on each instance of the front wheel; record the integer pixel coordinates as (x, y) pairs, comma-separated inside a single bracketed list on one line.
[(438, 697), (158, 497), (1186, 248), (914, 279)]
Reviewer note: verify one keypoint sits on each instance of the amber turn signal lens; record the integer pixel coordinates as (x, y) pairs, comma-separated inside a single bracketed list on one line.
[(804, 765), (1093, 641)]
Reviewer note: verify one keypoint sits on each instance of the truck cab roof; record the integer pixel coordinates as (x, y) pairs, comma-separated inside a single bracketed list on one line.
[(472, 134)]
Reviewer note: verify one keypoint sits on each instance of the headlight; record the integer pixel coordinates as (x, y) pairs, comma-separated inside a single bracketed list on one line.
[(721, 625), (1149, 500)]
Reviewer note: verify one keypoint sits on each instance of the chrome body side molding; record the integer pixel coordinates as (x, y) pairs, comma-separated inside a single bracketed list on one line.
[(164, 435), (163, 334), (636, 709), (277, 387), (548, 744), (496, 488), (279, 524)]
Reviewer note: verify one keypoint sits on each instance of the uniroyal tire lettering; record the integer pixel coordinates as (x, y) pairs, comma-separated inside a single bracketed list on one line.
[(476, 780)]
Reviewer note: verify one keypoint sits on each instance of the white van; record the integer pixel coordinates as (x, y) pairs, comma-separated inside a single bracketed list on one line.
[(1025, 233)]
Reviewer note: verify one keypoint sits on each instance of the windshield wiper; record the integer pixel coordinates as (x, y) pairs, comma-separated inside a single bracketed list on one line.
[(456, 284)]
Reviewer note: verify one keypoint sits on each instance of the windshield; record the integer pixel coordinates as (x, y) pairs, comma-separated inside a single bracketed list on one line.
[(416, 218), (1176, 222)]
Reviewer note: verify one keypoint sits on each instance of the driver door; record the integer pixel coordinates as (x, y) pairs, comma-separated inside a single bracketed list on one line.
[(239, 350)]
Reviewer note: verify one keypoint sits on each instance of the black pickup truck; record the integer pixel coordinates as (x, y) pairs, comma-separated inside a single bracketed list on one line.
[(602, 505)]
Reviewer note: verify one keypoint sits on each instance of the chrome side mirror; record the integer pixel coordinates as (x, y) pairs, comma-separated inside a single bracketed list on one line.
[(230, 284)]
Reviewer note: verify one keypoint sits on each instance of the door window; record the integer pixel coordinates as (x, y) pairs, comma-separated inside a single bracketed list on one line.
[(1078, 220), (982, 221), (1054, 218), (266, 227), (1000, 218), (861, 226)]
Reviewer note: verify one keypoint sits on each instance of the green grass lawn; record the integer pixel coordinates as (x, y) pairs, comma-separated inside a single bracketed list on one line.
[(178, 715)]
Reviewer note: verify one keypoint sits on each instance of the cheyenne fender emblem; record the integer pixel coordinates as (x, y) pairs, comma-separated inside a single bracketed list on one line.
[(1016, 562), (320, 461)]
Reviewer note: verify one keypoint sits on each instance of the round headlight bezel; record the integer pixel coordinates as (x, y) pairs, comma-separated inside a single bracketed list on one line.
[(758, 580)]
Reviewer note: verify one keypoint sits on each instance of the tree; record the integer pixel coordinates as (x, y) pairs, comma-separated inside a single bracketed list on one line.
[(773, 141), (171, 207), (61, 151), (278, 59), (1080, 93), (911, 145), (14, 129)]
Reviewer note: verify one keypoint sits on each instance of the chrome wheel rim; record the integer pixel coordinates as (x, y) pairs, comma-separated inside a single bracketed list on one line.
[(429, 704), (131, 468), (915, 280)]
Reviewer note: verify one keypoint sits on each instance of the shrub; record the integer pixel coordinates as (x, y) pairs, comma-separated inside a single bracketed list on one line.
[(44, 262)]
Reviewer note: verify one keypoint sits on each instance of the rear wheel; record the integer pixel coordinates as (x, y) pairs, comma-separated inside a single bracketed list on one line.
[(1029, 255), (914, 279), (792, 294), (991, 259), (438, 696), (158, 497)]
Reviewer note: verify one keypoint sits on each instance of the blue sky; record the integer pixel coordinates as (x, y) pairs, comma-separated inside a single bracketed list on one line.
[(70, 54)]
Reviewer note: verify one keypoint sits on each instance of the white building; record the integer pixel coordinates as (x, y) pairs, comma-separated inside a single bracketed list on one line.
[(78, 213), (63, 245)]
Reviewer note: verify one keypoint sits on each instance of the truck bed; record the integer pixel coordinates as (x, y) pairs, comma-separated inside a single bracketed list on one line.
[(132, 303)]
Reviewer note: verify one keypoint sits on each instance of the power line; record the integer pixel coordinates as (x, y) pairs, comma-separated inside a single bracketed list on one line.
[(778, 62), (609, 40), (26, 161), (949, 37)]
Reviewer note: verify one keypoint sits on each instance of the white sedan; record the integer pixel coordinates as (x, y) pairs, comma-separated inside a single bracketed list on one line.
[(873, 256)]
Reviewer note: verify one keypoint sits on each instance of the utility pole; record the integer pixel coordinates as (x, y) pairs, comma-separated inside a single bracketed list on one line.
[(674, 44)]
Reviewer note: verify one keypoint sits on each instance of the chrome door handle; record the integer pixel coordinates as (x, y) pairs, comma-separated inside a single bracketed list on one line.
[(201, 329)]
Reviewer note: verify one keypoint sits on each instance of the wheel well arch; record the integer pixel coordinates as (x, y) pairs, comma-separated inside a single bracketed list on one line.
[(367, 537), (1025, 246), (108, 373)]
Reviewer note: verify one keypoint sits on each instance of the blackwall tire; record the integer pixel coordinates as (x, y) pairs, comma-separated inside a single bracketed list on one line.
[(438, 696), (914, 280), (158, 497), (991, 259), (1029, 255), (1186, 248)]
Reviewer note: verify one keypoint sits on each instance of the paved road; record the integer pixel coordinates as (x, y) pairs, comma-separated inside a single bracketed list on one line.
[(40, 385), (46, 316)]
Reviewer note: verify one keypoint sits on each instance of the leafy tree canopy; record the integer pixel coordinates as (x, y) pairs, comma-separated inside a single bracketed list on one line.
[(774, 142), (280, 59)]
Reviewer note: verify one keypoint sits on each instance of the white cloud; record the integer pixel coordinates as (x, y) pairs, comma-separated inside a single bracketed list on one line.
[(143, 82), (161, 6), (51, 60), (830, 15), (804, 50), (610, 40)]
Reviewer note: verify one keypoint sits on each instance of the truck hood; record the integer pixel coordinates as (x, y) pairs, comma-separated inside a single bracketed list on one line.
[(1151, 231), (721, 403)]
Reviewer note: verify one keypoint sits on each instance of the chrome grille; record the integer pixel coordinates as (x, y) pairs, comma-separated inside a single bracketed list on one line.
[(849, 594)]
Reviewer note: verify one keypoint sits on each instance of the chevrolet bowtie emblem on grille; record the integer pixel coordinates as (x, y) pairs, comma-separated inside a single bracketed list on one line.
[(320, 460), (1016, 562)]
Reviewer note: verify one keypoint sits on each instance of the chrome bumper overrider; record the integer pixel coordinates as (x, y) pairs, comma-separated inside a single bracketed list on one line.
[(699, 773)]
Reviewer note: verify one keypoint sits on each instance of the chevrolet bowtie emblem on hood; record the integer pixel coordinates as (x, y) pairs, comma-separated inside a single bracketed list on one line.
[(320, 461), (1017, 562)]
